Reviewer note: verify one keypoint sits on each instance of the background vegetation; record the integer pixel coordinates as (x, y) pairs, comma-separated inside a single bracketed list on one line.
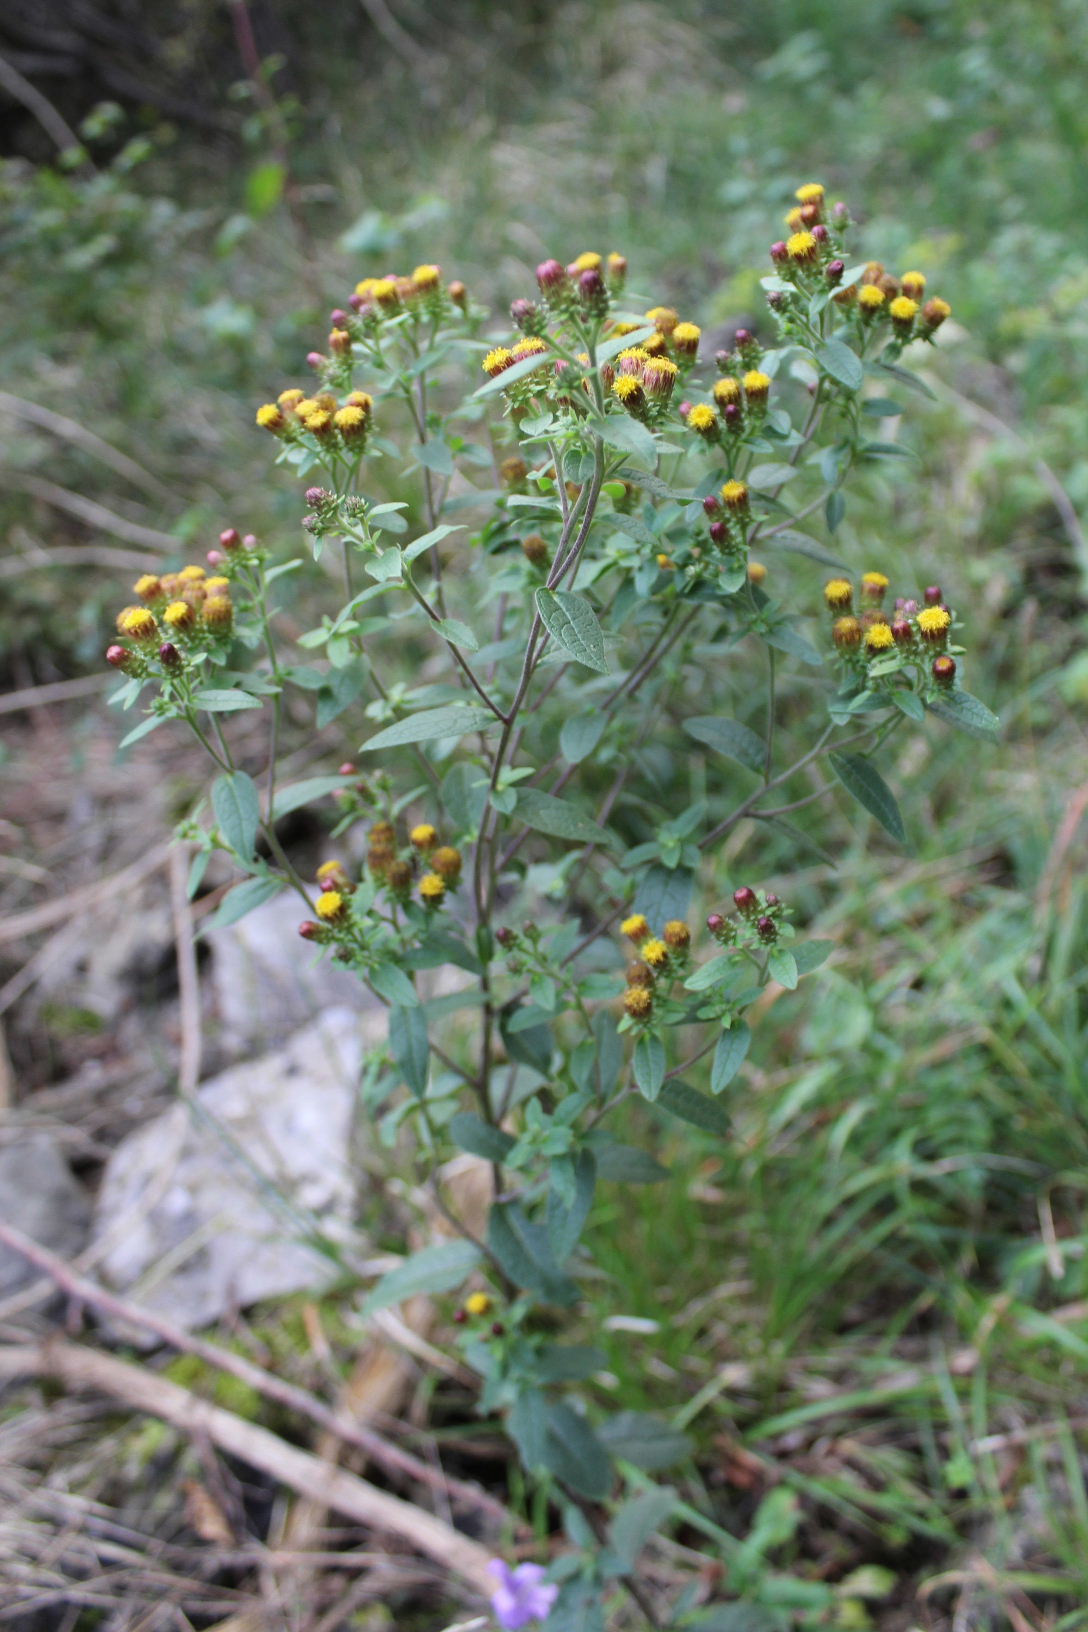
[(874, 1302)]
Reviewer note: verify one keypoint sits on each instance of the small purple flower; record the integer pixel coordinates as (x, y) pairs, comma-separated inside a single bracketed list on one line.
[(523, 1595)]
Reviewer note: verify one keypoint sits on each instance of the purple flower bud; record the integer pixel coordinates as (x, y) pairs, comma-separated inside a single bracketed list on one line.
[(744, 899), (524, 314), (766, 929), (715, 922), (779, 252), (833, 272), (712, 504), (820, 233), (933, 596), (522, 1594), (315, 360), (551, 275), (316, 496), (339, 319), (169, 656)]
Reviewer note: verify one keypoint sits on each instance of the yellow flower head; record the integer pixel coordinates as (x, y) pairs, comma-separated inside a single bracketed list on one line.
[(431, 889), (423, 837), (497, 359), (811, 193), (638, 1001), (627, 388), (878, 637), (873, 586), (291, 397), (365, 289), (665, 562), (531, 346), (934, 622), (801, 246), (659, 376), (217, 586), (477, 1303), (426, 277), (271, 417), (756, 385), (795, 220), (179, 615), (655, 953), (446, 862), (331, 872), (846, 633), (384, 292), (663, 318), (148, 588), (838, 593), (587, 261), (903, 310), (735, 495), (914, 284), (137, 622), (870, 298), (331, 907), (934, 312), (726, 390), (757, 572), (676, 934), (307, 406), (686, 337), (631, 360), (351, 422), (218, 612), (618, 330), (361, 399), (192, 574), (703, 418), (636, 928)]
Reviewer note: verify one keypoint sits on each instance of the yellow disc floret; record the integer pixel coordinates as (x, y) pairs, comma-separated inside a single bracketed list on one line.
[(271, 417), (735, 495), (587, 261), (351, 422), (903, 310), (431, 889), (870, 298), (424, 836), (686, 337), (801, 246), (676, 934), (497, 359), (663, 318), (627, 388), (811, 193), (137, 622), (291, 397), (446, 862), (148, 588), (655, 953), (179, 615), (838, 593), (878, 637), (703, 418), (638, 1001), (218, 612), (846, 633), (934, 622), (477, 1303), (756, 385), (531, 346), (331, 907), (914, 284), (636, 928), (726, 390), (426, 277)]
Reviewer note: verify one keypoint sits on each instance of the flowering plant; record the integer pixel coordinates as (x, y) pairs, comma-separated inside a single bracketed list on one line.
[(590, 537)]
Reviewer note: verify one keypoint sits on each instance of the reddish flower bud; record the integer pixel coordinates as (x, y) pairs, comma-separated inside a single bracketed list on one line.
[(551, 276), (715, 922), (338, 318), (309, 930), (230, 538), (685, 409), (944, 670), (776, 300), (744, 899), (833, 272), (742, 338), (719, 532), (712, 504), (505, 936), (316, 360), (346, 769), (215, 558), (460, 1317), (779, 252), (820, 233), (840, 214), (932, 595), (316, 495), (249, 542), (169, 656), (458, 293), (767, 929), (497, 1328), (340, 343), (732, 416), (723, 361), (356, 302), (902, 633), (591, 288), (771, 899), (525, 315), (117, 656)]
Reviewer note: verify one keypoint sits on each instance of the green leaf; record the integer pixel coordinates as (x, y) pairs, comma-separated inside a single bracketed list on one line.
[(458, 634), (730, 1055), (264, 188), (435, 536), (809, 955), (436, 455), (624, 1164), (834, 510), (664, 893), (715, 971), (782, 966), (764, 477), (297, 794), (435, 1269), (565, 1224), (729, 737), (689, 1105), (522, 1250), (547, 814), (801, 544), (907, 702), (244, 897), (836, 358), (574, 1453), (861, 779), (410, 1045), (785, 638), (882, 408), (393, 984), (637, 1520), (516, 371), (571, 620), (911, 381), (623, 342), (621, 431), (470, 1132), (580, 735), (144, 729), (569, 1362), (644, 1440), (464, 796), (455, 720), (224, 702), (959, 708), (527, 1425), (532, 1047), (237, 806), (649, 1065)]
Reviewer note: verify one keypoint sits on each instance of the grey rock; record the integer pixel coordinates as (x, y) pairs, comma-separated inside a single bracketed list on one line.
[(266, 981), (207, 1208), (41, 1196)]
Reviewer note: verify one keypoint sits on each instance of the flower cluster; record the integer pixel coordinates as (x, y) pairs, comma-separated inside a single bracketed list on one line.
[(321, 423), (876, 645), (423, 869), (661, 958), (758, 919), (180, 615), (813, 259)]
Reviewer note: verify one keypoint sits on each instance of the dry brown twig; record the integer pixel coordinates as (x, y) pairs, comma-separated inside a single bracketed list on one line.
[(78, 1367)]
